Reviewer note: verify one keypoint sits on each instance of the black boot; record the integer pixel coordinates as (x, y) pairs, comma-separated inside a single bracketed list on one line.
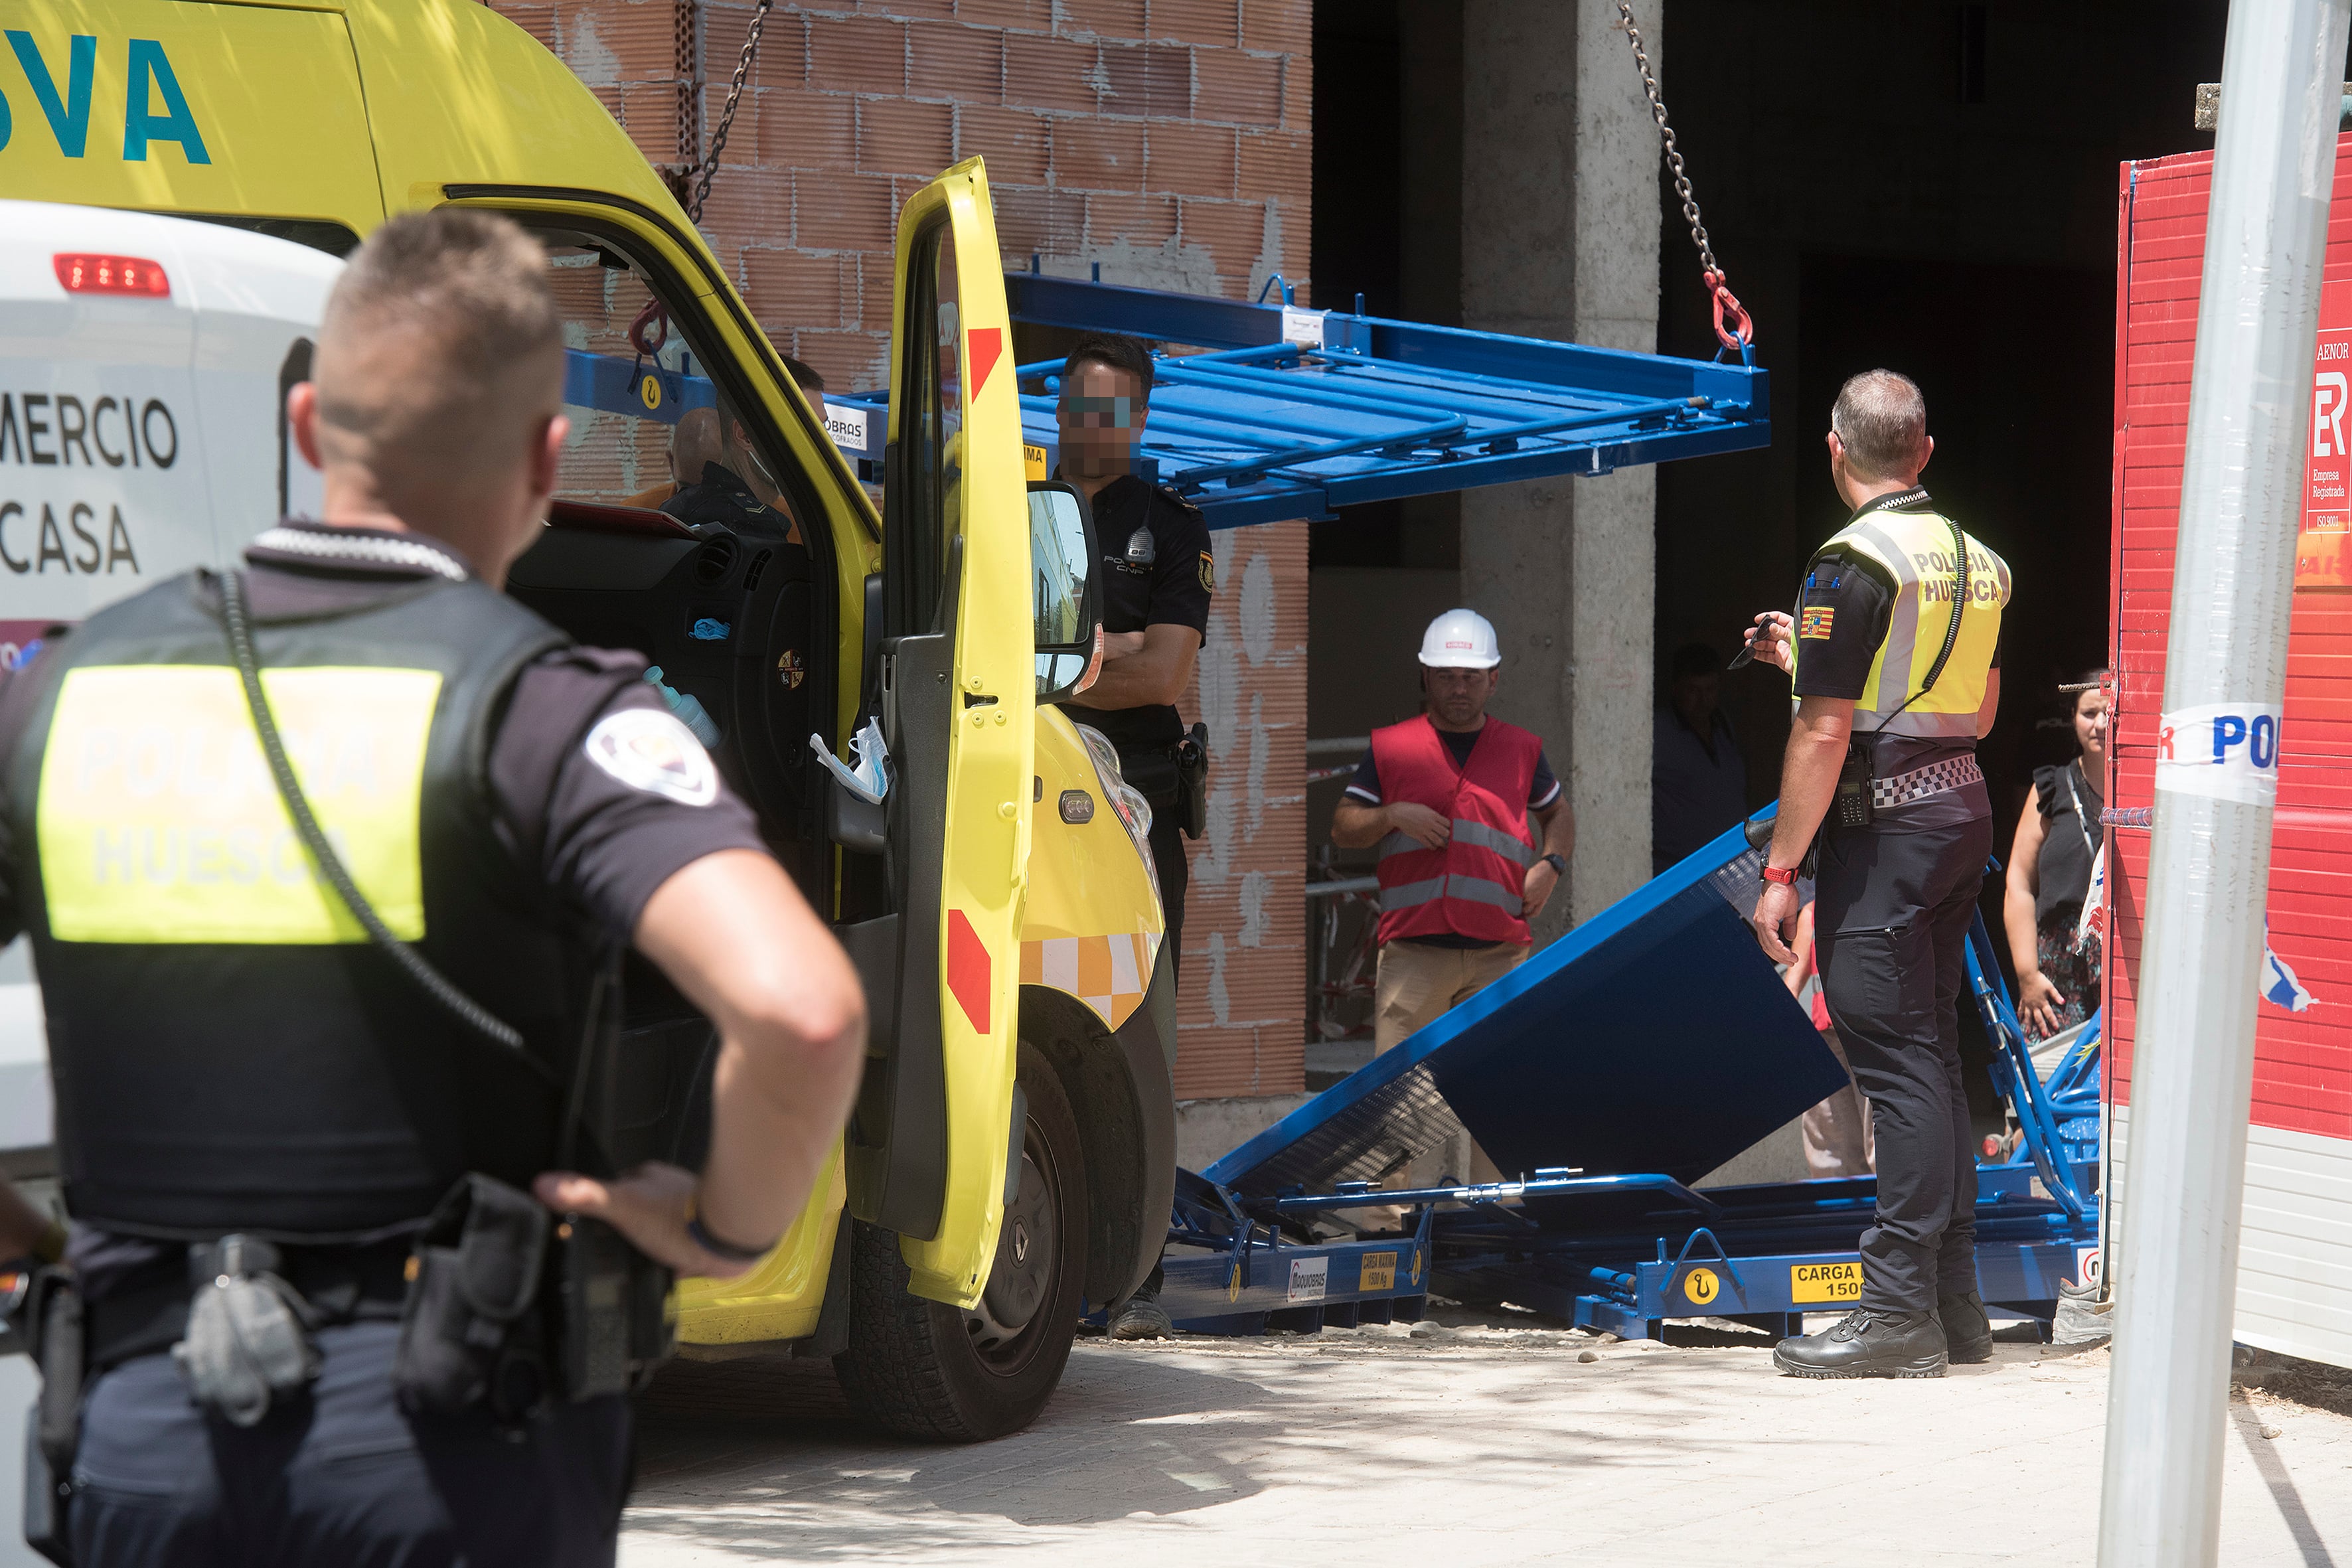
[(1968, 1333), (1867, 1342)]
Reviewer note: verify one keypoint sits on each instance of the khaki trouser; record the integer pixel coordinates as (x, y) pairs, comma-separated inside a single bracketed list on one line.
[(1838, 1140), (1415, 983)]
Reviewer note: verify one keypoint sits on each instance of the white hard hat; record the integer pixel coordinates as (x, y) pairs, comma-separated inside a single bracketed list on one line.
[(1459, 639)]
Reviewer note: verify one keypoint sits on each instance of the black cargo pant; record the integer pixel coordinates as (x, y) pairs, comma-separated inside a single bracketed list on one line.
[(1892, 925), (340, 1475)]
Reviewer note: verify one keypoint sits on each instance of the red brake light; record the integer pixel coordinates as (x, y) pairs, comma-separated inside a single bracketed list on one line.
[(82, 274)]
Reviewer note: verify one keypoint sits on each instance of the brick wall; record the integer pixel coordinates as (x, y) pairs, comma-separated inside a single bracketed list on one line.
[(1165, 140), (1241, 1010)]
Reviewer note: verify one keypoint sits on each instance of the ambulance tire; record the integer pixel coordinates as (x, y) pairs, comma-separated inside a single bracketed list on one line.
[(934, 1372)]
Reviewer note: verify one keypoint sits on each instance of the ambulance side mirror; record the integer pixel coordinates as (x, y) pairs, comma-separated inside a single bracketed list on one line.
[(1065, 590)]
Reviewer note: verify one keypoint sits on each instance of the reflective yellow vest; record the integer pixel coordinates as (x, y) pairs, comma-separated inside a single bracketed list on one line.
[(1915, 546)]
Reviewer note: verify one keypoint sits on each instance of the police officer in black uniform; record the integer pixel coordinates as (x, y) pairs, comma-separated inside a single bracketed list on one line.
[(261, 1106), (713, 457), (1896, 659), (1158, 576)]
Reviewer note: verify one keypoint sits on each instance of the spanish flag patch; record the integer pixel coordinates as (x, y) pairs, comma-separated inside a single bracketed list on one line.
[(1816, 620)]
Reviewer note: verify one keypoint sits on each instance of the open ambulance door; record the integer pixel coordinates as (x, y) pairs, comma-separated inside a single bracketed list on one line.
[(954, 685)]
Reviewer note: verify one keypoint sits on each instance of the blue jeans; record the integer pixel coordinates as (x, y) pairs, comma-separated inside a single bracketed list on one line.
[(342, 1476)]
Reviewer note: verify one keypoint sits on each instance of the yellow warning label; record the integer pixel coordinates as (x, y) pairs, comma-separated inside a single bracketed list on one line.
[(1836, 1282), (1033, 459), (1378, 1272), (649, 390), (1700, 1287), (1234, 1285)]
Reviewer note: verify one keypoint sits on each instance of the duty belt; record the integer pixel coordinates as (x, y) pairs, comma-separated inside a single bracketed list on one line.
[(1919, 783)]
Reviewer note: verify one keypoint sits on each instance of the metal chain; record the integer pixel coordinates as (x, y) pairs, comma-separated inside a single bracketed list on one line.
[(726, 115), (689, 134), (1709, 268)]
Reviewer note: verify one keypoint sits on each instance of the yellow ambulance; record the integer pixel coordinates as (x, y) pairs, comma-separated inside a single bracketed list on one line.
[(1011, 1159)]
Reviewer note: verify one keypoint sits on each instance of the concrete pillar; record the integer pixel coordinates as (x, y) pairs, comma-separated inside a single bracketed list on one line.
[(1559, 239)]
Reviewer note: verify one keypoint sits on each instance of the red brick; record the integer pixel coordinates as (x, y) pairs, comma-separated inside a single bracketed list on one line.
[(949, 59), (846, 212), (1234, 232), (649, 114), (787, 289), (808, 129), (1189, 160), (1145, 221), (1211, 22), (1298, 92), (906, 8), (743, 140), (539, 21), (1033, 14), (749, 206), (1105, 18), (1282, 26), (849, 361), (783, 61), (1098, 154), (1050, 223), (1146, 79), (1278, 163), (1297, 223), (1051, 73), (610, 41), (1247, 89), (858, 54), (1011, 140), (898, 137)]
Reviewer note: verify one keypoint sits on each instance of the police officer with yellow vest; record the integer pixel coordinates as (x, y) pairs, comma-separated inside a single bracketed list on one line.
[(328, 866), (1895, 660)]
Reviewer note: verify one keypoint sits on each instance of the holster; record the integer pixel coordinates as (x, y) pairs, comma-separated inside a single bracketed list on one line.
[(1192, 782), (508, 1307), (248, 1344), (467, 1339), (52, 1319)]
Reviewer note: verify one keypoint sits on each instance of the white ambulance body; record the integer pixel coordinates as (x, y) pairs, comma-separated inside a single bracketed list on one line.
[(143, 363)]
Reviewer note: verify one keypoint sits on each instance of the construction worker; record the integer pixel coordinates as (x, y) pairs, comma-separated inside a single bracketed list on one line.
[(1157, 575), (298, 1155), (1447, 796), (1895, 660)]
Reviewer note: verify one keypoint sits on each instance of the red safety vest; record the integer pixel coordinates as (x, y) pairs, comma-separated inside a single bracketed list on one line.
[(1475, 885)]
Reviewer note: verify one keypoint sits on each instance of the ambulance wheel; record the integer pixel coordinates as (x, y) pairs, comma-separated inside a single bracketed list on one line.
[(939, 1374)]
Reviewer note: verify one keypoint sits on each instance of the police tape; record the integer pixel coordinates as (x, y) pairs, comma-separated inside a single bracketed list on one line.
[(2225, 751)]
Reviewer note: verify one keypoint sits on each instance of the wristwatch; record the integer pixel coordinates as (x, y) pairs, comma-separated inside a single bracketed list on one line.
[(1784, 875), (1557, 862)]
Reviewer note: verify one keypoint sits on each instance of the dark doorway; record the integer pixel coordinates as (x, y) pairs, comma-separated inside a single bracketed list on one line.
[(2017, 369)]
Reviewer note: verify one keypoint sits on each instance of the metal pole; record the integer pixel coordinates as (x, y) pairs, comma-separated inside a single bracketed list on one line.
[(2225, 678)]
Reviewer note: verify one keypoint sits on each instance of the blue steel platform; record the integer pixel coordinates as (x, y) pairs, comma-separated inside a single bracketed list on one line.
[(1650, 1045)]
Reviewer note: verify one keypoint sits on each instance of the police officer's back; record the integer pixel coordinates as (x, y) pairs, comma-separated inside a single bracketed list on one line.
[(1895, 665), (259, 1105)]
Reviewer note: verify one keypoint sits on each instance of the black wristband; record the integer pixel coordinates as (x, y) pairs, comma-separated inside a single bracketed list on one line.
[(1557, 862), (725, 1249)]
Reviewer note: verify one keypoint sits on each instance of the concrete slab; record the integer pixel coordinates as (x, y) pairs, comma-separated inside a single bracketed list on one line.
[(1358, 1445)]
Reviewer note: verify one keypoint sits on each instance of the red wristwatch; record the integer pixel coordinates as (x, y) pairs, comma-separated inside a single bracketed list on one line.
[(1784, 875)]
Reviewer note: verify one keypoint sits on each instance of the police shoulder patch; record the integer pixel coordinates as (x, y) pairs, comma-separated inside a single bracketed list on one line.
[(1208, 573), (654, 751), (1816, 621)]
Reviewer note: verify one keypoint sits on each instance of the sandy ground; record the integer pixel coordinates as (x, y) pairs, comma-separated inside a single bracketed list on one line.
[(1476, 1442)]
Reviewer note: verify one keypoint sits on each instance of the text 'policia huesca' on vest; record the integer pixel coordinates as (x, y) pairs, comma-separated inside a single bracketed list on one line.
[(59, 430)]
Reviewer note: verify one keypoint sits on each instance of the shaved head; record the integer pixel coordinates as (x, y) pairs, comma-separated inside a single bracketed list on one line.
[(696, 441), (436, 388)]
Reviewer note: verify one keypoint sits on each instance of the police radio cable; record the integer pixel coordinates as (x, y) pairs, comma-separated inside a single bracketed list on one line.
[(412, 964)]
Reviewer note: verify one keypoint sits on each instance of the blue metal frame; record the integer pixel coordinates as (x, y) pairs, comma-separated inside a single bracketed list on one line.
[(1256, 428), (1601, 1250)]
